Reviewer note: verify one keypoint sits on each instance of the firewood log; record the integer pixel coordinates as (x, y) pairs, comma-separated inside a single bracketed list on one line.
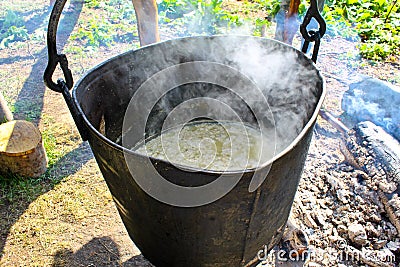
[(378, 153), (370, 148), (376, 150), (21, 149)]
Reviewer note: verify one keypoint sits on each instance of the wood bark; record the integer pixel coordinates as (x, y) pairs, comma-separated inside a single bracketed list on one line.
[(376, 150), (378, 154), (21, 149), (147, 21), (287, 21), (371, 147)]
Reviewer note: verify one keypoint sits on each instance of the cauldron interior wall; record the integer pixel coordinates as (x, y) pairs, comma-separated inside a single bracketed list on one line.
[(292, 104), (229, 231), (186, 92)]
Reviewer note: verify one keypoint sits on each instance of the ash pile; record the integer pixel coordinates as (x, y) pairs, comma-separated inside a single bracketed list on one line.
[(348, 201)]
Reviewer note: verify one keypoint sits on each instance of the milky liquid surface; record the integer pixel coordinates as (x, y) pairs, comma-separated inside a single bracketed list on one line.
[(214, 146)]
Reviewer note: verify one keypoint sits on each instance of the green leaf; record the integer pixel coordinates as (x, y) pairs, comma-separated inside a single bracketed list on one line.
[(351, 2), (381, 2), (364, 16)]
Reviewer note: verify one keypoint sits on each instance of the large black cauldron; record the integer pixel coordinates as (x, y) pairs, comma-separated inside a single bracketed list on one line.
[(232, 229)]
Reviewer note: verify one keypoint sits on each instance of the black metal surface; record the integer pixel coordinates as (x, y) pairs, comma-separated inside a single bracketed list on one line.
[(312, 35), (53, 57), (227, 232), (77, 116), (231, 230)]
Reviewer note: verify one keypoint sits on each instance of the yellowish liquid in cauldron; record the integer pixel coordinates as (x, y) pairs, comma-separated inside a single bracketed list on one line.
[(212, 146)]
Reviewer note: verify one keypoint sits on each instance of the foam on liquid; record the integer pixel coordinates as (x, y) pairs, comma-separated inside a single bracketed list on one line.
[(210, 145)]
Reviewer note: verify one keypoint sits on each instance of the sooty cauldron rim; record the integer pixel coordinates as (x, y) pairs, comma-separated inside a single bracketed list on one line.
[(288, 148)]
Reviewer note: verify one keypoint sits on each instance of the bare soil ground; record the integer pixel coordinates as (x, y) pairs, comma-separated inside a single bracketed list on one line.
[(68, 218)]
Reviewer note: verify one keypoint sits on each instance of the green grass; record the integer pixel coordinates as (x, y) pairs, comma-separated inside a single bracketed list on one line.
[(15, 188), (113, 22), (50, 144), (57, 142)]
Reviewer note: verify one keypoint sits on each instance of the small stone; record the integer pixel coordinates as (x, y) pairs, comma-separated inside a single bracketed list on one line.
[(309, 221), (333, 239), (390, 231), (374, 218), (328, 231), (342, 195), (371, 230), (321, 203), (335, 183), (328, 212), (336, 221), (379, 244), (395, 204), (334, 231), (344, 208), (347, 168), (361, 240), (320, 219), (393, 246), (314, 264), (329, 201), (321, 184), (360, 200), (357, 234), (388, 187), (341, 229), (313, 188)]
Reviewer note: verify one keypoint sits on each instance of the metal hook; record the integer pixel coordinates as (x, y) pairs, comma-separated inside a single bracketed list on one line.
[(312, 35), (53, 60), (54, 57)]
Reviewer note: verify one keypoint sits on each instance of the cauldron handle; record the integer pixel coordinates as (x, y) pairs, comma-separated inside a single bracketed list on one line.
[(312, 35), (53, 59)]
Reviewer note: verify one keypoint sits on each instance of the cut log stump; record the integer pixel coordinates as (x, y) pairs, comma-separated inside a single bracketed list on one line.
[(21, 149)]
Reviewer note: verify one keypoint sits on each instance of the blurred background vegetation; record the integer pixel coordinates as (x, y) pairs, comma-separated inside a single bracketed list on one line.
[(374, 24)]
